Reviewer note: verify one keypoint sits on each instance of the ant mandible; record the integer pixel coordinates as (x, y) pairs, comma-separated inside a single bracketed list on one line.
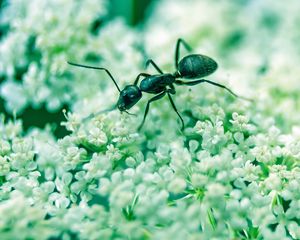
[(193, 66)]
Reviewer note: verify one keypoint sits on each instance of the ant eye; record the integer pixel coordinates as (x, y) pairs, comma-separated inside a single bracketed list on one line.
[(131, 96)]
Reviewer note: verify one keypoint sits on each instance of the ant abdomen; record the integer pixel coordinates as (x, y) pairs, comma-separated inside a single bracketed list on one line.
[(196, 66)]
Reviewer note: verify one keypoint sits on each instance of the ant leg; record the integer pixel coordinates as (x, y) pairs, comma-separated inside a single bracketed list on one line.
[(148, 105), (175, 109), (172, 89), (192, 83), (129, 113), (140, 75), (150, 61), (98, 68), (180, 40)]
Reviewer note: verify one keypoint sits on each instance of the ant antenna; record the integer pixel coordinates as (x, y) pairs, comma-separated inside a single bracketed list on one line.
[(99, 112), (98, 68)]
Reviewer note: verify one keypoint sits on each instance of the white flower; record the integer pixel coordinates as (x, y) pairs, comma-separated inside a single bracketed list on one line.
[(177, 185), (180, 158), (73, 121), (273, 182), (215, 194), (278, 234), (4, 166), (97, 137), (240, 122), (4, 147)]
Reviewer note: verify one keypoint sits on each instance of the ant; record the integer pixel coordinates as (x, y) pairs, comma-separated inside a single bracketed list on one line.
[(193, 66)]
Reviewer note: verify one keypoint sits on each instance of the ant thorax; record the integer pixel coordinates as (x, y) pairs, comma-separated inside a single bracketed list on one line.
[(156, 83)]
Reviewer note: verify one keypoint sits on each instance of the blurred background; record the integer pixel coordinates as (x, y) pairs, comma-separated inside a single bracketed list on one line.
[(133, 12)]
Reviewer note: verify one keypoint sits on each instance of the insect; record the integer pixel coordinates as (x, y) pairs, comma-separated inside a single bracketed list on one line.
[(191, 67)]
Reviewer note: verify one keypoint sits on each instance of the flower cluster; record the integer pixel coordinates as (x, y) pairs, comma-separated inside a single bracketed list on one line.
[(233, 173)]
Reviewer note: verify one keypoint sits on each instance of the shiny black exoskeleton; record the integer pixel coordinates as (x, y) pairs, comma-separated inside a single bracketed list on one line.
[(193, 66)]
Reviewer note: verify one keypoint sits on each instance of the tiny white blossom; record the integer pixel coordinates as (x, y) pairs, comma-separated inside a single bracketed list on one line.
[(177, 185)]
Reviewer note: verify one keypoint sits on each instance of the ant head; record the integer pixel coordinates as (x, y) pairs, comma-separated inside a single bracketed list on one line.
[(129, 96)]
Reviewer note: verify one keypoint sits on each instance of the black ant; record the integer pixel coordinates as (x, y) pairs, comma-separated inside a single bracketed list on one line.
[(193, 66)]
